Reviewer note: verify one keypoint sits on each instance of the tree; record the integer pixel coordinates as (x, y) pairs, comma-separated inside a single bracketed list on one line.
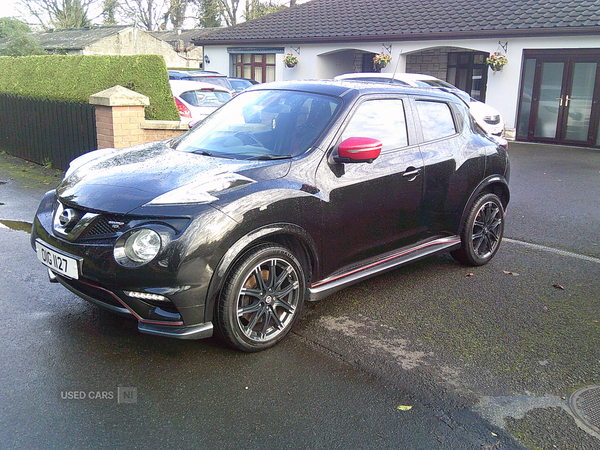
[(60, 13), (10, 27), (22, 45), (258, 8), (109, 12), (144, 13), (228, 11), (72, 15), (208, 14), (176, 14), (19, 43), (212, 13)]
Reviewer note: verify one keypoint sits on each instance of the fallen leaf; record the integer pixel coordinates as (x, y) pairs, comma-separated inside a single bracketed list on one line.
[(558, 286), (469, 275), (494, 434), (514, 274), (404, 407)]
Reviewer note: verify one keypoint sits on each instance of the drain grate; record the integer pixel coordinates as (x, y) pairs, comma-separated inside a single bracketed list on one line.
[(585, 404)]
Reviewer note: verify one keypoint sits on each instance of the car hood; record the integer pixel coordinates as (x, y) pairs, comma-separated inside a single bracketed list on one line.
[(119, 181)]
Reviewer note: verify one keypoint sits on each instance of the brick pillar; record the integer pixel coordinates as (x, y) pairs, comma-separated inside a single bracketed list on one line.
[(119, 117)]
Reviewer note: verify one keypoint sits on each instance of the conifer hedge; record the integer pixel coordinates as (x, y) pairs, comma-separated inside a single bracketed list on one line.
[(73, 78)]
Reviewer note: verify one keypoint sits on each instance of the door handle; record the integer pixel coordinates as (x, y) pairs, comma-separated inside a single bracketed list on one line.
[(411, 173)]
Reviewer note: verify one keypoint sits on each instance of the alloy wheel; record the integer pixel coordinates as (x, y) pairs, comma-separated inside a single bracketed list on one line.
[(268, 299), (487, 229)]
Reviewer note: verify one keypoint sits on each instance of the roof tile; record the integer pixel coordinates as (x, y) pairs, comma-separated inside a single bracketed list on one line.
[(337, 19)]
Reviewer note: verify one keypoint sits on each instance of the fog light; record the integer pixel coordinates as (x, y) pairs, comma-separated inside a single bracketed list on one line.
[(146, 296)]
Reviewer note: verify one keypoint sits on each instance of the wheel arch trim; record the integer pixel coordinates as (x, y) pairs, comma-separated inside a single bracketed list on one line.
[(490, 182), (247, 242)]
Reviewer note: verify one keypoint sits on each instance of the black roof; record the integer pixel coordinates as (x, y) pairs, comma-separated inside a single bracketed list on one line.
[(361, 20), (353, 88)]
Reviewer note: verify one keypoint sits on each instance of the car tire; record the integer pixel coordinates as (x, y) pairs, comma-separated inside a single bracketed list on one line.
[(482, 231), (262, 298)]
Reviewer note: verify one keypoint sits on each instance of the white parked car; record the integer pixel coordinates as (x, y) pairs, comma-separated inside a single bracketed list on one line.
[(195, 100), (488, 118)]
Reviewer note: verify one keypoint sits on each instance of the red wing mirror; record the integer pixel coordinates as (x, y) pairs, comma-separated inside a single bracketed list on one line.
[(358, 149)]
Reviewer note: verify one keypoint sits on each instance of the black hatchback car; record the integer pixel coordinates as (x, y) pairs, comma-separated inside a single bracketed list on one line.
[(287, 193)]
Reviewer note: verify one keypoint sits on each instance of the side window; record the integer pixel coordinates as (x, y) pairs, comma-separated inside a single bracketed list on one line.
[(436, 119), (380, 119)]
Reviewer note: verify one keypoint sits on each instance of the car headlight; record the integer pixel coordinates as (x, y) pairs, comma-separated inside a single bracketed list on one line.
[(139, 248), (492, 120)]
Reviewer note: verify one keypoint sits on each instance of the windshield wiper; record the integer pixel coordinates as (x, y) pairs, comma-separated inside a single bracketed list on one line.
[(203, 152), (271, 157)]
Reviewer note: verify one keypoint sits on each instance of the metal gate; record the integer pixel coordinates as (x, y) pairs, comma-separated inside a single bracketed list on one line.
[(45, 131)]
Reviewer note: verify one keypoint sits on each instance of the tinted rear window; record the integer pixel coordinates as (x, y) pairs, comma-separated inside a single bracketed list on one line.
[(436, 119), (203, 97)]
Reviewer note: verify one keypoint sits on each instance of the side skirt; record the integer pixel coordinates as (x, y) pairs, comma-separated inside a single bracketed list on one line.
[(369, 269)]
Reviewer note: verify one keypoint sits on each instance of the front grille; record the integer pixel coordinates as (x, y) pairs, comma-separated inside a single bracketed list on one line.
[(100, 227), (77, 217), (105, 226), (71, 222)]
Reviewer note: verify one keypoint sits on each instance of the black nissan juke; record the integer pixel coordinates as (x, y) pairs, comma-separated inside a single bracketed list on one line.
[(287, 193)]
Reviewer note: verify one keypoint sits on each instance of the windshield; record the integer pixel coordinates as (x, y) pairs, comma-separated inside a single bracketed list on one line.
[(434, 83), (377, 80), (262, 125)]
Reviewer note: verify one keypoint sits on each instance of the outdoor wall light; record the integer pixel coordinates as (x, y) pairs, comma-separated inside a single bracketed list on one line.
[(206, 59)]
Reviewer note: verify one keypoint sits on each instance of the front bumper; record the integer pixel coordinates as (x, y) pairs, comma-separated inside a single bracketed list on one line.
[(111, 302), (103, 282), (201, 331)]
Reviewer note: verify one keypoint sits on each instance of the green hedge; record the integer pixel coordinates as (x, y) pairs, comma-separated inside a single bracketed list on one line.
[(74, 78)]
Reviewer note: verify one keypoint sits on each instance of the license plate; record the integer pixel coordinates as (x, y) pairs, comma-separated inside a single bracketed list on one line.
[(58, 262)]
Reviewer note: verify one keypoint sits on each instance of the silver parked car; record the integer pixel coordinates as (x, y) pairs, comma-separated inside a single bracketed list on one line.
[(196, 100)]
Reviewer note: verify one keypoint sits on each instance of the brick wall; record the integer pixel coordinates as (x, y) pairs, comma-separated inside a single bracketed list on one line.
[(432, 61), (120, 120), (159, 130), (119, 126)]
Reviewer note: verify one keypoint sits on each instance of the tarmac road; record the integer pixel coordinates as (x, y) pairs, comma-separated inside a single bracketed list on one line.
[(434, 355)]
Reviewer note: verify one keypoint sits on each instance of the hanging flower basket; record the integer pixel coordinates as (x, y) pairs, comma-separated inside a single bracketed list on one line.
[(380, 61), (497, 61), (290, 61)]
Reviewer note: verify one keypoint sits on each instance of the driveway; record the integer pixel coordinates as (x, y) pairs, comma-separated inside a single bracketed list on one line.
[(555, 195), (433, 355)]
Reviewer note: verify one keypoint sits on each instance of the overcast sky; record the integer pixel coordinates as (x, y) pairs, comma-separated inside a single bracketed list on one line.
[(8, 10)]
